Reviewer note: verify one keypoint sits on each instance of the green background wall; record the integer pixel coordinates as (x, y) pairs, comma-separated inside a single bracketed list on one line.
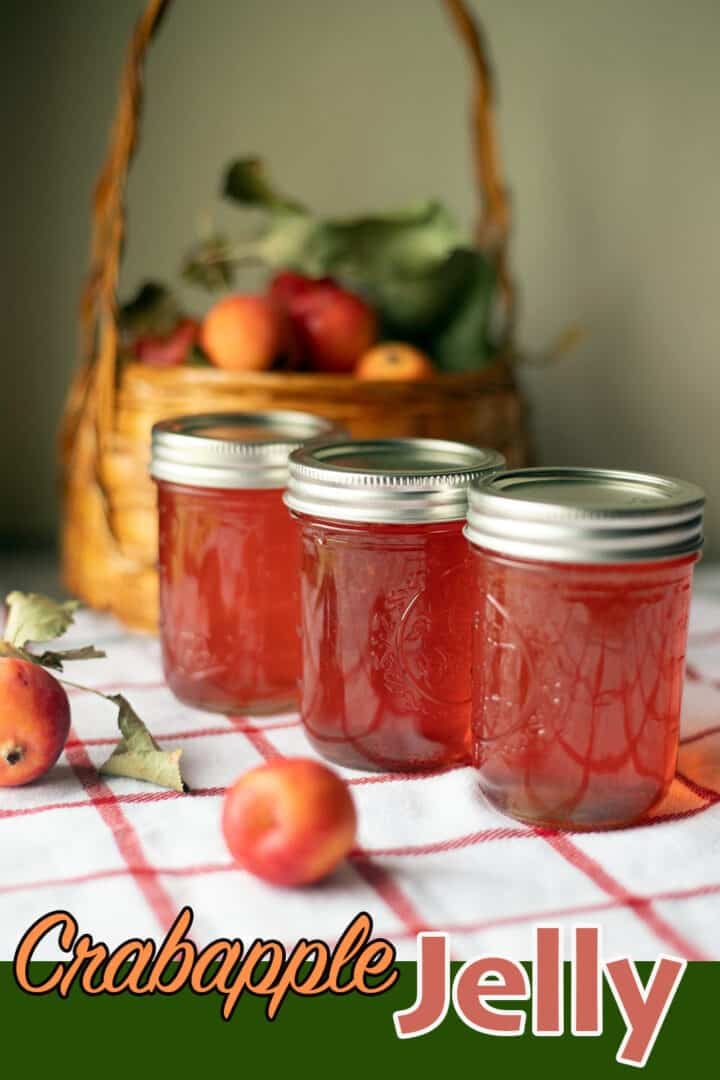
[(609, 123)]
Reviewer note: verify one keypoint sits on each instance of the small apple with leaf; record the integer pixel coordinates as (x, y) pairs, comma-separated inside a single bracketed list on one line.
[(34, 707)]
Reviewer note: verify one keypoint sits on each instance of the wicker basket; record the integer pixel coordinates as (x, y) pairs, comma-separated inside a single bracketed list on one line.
[(110, 526)]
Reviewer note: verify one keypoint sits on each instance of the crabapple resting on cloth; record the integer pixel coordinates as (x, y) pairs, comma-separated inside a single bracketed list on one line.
[(289, 822), (34, 721)]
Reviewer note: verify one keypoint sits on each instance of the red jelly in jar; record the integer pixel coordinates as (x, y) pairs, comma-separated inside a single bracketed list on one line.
[(582, 590), (386, 599), (229, 561)]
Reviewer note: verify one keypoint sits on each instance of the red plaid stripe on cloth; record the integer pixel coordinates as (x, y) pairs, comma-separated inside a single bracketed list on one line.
[(123, 857)]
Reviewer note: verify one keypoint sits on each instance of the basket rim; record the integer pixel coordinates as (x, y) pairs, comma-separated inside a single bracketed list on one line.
[(171, 378)]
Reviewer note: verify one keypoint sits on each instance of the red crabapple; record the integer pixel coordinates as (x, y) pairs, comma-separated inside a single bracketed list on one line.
[(290, 821), (34, 721)]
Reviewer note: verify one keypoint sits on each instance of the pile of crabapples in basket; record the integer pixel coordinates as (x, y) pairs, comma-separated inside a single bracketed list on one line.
[(399, 294), (290, 821), (299, 324)]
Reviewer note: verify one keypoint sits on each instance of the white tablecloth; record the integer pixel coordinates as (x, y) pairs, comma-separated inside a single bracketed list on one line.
[(123, 857)]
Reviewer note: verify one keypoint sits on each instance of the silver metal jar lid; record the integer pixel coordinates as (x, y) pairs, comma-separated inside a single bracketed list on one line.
[(585, 515), (386, 481), (232, 450)]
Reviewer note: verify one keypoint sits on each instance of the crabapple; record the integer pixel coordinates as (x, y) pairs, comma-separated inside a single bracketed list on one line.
[(34, 721), (289, 821)]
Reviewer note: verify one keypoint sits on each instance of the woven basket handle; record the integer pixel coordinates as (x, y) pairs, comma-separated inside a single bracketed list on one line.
[(98, 309)]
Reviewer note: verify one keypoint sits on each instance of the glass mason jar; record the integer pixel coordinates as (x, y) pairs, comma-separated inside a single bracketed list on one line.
[(385, 599), (582, 588), (229, 561)]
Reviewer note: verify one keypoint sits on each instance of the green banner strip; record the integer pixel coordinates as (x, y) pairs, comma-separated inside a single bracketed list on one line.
[(329, 1035)]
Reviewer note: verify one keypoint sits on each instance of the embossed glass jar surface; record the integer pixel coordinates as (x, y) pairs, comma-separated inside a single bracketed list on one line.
[(386, 602), (578, 666), (229, 558)]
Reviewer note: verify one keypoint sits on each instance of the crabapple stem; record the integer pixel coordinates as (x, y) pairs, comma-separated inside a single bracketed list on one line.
[(85, 689)]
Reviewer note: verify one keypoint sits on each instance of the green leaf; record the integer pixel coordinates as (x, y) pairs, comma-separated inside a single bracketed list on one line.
[(409, 241), (246, 182), (351, 249), (210, 264), (55, 660), (138, 756), (49, 658), (463, 342), (153, 310), (292, 241), (360, 252), (412, 304), (34, 617)]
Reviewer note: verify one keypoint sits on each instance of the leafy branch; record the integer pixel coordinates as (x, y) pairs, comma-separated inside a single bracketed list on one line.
[(427, 286)]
